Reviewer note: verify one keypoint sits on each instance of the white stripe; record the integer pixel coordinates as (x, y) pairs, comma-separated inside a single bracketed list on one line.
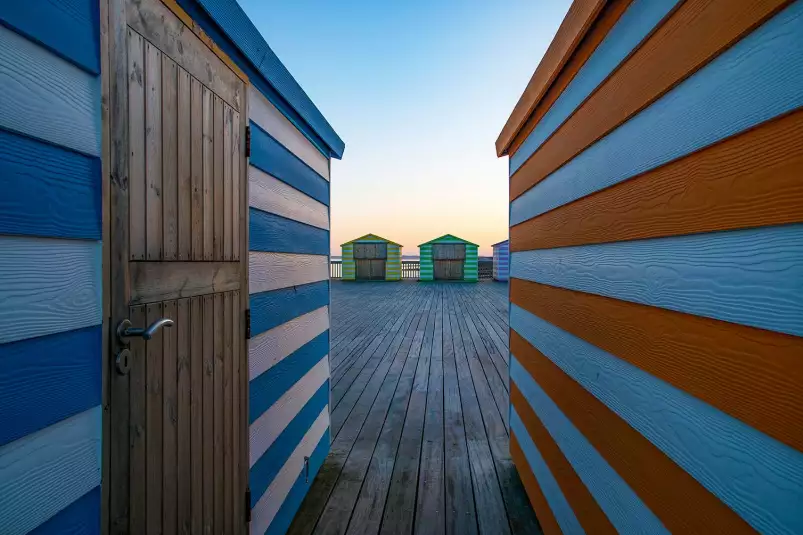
[(273, 122), (46, 471), (272, 195), (272, 271), (47, 97), (48, 286), (270, 347), (269, 504), (267, 428)]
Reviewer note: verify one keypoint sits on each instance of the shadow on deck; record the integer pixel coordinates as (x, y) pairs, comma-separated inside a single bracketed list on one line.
[(419, 409)]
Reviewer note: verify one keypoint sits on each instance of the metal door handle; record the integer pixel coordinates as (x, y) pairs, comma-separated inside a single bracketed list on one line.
[(125, 330)]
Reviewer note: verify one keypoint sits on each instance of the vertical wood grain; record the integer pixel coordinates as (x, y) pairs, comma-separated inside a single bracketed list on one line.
[(153, 152), (197, 345), (197, 143), (136, 136), (208, 412), (237, 428), (184, 414), (153, 426), (227, 186), (217, 439), (138, 423), (208, 170), (169, 159), (184, 133), (169, 420), (228, 413), (218, 188), (237, 173)]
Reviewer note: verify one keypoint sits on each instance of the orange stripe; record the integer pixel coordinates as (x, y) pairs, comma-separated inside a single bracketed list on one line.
[(676, 498), (696, 33), (583, 504), (750, 180), (607, 18), (751, 374), (542, 510), (578, 20)]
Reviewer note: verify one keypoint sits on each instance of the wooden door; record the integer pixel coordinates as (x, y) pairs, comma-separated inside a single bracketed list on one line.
[(456, 270), (377, 269), (178, 404), (361, 251), (363, 269)]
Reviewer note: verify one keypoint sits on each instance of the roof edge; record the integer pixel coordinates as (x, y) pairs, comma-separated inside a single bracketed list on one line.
[(371, 234), (240, 30), (578, 20), (450, 236)]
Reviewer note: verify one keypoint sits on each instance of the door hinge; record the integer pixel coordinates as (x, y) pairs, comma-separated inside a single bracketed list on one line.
[(248, 141), (248, 324), (248, 504)]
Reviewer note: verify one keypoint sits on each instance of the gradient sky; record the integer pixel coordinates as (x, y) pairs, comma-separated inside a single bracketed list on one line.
[(419, 91)]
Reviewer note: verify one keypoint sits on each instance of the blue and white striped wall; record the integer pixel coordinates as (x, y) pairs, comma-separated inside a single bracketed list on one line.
[(501, 260), (50, 267), (288, 354)]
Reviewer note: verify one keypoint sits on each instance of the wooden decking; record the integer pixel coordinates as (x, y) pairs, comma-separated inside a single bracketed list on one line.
[(419, 415)]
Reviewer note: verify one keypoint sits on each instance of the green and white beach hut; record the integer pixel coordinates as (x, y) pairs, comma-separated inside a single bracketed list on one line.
[(371, 257), (448, 258)]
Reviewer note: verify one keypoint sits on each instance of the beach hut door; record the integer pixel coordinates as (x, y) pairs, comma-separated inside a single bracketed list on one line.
[(370, 260), (448, 259), (177, 426)]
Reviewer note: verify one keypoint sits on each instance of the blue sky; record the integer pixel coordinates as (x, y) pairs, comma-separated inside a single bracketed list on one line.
[(419, 91)]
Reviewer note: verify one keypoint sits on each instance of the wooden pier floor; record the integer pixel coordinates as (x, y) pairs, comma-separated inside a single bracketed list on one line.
[(419, 415)]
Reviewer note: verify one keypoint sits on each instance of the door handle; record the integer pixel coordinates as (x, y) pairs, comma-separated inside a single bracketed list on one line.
[(125, 330)]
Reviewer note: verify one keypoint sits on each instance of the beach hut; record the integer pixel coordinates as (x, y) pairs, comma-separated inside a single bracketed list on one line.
[(164, 229), (654, 166), (501, 260), (371, 257), (448, 258)]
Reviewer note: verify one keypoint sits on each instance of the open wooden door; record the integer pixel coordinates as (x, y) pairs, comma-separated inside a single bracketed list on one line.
[(177, 386)]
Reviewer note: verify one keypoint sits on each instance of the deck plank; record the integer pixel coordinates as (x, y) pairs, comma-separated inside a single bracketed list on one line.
[(419, 415)]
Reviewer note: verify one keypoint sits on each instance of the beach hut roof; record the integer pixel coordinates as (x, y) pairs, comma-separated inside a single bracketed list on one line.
[(449, 237), (371, 237), (499, 243)]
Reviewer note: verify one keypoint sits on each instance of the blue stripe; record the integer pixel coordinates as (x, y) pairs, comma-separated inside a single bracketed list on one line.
[(549, 487), (268, 466), (281, 522), (81, 517), (273, 158), (67, 27), (48, 191), (756, 80), (758, 477), (273, 233), (268, 387), (229, 26), (271, 309), (752, 277), (621, 505), (636, 23), (43, 473), (44, 380)]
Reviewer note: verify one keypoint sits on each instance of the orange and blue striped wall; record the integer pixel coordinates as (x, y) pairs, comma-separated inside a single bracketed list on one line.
[(50, 267), (656, 238)]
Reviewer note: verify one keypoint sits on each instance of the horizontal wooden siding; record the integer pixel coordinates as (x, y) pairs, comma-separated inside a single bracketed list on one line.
[(656, 267)]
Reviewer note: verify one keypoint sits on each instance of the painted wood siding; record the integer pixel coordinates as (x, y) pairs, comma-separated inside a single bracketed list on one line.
[(50, 267), (288, 354), (657, 276), (501, 261), (470, 265), (393, 263)]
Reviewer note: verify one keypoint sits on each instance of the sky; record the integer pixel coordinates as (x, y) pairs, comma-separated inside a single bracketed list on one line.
[(419, 91)]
